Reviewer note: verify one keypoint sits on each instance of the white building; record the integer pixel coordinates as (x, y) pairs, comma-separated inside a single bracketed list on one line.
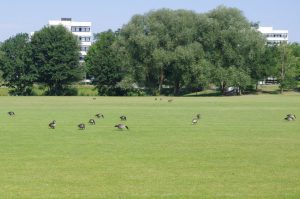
[(81, 29), (274, 36)]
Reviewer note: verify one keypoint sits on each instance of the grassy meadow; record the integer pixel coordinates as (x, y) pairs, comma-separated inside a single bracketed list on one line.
[(241, 148)]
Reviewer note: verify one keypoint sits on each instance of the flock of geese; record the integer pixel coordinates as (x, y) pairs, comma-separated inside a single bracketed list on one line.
[(195, 120), (81, 126)]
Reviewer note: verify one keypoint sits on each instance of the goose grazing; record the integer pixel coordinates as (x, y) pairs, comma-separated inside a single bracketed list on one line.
[(290, 117), (11, 113), (123, 118), (52, 124), (81, 126), (98, 115), (92, 121), (121, 126), (194, 120)]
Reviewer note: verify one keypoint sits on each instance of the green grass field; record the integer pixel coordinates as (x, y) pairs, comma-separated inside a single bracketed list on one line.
[(242, 148)]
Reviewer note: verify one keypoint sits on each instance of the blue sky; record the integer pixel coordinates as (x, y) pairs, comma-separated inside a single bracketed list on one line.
[(31, 15)]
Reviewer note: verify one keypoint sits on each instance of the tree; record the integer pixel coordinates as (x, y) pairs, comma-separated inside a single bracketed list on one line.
[(156, 42), (287, 67), (104, 63), (56, 56), (229, 40), (16, 64)]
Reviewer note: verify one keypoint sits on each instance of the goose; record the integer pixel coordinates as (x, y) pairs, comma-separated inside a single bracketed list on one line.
[(121, 126), (81, 126), (198, 116), (52, 124), (291, 116), (194, 120), (11, 113), (98, 115), (92, 122), (123, 117)]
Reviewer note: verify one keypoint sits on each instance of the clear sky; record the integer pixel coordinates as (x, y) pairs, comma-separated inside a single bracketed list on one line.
[(30, 15)]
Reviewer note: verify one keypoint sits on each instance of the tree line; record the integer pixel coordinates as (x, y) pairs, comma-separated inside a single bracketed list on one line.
[(160, 52)]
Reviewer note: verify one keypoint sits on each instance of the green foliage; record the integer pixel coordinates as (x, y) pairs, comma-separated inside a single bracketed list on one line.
[(16, 65), (287, 67), (56, 56), (104, 64), (162, 44), (181, 48)]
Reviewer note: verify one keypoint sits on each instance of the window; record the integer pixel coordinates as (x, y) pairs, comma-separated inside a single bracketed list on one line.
[(84, 48), (80, 29)]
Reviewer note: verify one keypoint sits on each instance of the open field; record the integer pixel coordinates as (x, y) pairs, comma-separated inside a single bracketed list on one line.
[(242, 148)]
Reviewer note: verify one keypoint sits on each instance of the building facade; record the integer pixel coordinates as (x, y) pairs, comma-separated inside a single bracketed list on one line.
[(274, 36), (81, 29)]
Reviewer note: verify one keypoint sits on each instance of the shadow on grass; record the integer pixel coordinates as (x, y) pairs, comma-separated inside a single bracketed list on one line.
[(276, 92), (205, 94)]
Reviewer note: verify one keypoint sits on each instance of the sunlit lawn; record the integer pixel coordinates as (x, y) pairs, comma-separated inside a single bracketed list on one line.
[(241, 148)]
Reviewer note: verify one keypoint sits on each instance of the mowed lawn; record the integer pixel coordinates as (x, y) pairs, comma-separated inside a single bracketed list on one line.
[(241, 148)]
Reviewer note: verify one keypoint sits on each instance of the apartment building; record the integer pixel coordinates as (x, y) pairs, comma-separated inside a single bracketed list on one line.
[(274, 36)]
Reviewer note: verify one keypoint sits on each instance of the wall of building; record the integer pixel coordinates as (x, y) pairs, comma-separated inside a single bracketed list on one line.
[(274, 36)]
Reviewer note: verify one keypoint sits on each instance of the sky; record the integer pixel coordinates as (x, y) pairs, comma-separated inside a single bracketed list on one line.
[(18, 16)]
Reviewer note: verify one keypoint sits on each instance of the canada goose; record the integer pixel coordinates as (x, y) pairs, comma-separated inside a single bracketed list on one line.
[(194, 120), (92, 122), (98, 115), (121, 126), (11, 113), (123, 118), (52, 124), (81, 126), (290, 117)]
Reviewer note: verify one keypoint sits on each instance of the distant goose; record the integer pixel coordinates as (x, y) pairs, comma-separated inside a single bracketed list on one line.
[(81, 126), (194, 120), (121, 126), (290, 117), (98, 115), (123, 118), (52, 124), (11, 113), (92, 122)]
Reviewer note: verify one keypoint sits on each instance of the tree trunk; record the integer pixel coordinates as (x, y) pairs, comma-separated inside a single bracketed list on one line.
[(176, 88), (222, 87), (161, 80)]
